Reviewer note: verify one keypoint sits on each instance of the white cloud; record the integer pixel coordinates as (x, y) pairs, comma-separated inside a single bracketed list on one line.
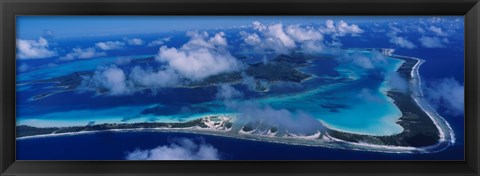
[(256, 25), (396, 82), (420, 30), (219, 39), (367, 94), (199, 58), (437, 30), (342, 28), (448, 94), (116, 81), (300, 34), (34, 49), (402, 42), (435, 20), (154, 79), (156, 43), (251, 39), (134, 41), (251, 83), (312, 47), (110, 45), (334, 43), (159, 42), (432, 42), (394, 31), (298, 123), (373, 61), (85, 53), (363, 62), (227, 92), (276, 37), (283, 39), (111, 78), (271, 37), (179, 149), (398, 40)]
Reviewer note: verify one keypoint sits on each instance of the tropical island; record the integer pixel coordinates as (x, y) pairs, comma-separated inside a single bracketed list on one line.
[(281, 68), (424, 130)]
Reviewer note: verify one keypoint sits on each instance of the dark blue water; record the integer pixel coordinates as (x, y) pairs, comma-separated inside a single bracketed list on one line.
[(440, 63), (116, 145)]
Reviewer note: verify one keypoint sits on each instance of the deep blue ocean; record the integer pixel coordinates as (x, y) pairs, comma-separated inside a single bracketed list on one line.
[(116, 145)]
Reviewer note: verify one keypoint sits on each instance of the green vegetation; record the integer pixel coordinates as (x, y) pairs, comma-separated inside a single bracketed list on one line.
[(24, 130), (419, 129), (282, 68)]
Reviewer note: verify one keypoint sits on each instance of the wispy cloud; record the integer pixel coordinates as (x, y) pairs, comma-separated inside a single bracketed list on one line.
[(82, 53), (438, 31), (396, 82), (134, 41), (432, 42), (375, 60), (447, 94), (227, 92), (178, 149), (397, 40), (159, 42), (154, 79), (367, 94), (110, 45), (199, 58), (295, 121), (402, 42)]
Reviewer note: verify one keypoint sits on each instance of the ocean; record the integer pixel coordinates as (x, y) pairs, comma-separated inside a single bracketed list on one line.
[(116, 146), (87, 107)]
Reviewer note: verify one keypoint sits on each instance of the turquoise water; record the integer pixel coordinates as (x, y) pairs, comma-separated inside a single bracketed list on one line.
[(374, 115), (79, 117), (71, 67), (338, 105)]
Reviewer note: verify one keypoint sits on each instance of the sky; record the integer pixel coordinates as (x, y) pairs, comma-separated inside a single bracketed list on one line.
[(31, 27)]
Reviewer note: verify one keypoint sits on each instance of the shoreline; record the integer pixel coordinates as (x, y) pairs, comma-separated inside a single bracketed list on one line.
[(445, 133), (446, 136)]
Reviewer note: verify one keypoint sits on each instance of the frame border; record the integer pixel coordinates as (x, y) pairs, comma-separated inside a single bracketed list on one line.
[(11, 8)]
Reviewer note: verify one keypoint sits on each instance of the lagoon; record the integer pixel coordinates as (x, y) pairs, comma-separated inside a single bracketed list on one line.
[(342, 96)]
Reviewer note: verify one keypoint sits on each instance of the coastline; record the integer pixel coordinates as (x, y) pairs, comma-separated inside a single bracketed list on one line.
[(445, 133), (338, 139)]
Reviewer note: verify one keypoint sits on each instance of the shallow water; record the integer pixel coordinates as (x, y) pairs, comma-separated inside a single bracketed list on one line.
[(338, 104)]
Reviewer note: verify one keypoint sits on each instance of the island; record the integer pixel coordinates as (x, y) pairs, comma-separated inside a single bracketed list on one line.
[(281, 68), (424, 131)]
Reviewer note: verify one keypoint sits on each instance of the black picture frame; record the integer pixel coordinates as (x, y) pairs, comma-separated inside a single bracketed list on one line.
[(11, 8)]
